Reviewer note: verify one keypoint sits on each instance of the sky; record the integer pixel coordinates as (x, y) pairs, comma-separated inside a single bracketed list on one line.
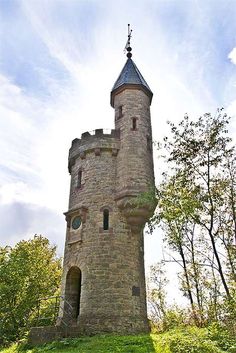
[(58, 62)]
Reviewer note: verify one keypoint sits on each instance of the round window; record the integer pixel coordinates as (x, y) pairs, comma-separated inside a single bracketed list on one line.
[(76, 222)]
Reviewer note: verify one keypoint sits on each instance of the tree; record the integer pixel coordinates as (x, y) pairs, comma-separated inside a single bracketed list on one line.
[(163, 317), (200, 149), (29, 271), (156, 294), (196, 209), (176, 208)]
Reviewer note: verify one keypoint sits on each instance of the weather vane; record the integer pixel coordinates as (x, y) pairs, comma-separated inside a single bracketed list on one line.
[(127, 46)]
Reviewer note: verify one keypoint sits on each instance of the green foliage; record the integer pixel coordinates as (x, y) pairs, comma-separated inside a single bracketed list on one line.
[(28, 272), (193, 340), (163, 317), (174, 317), (12, 349), (98, 344), (196, 211), (223, 337), (156, 295), (179, 340)]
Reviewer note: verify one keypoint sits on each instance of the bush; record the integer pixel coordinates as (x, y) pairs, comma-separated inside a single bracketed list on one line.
[(187, 340), (223, 337), (188, 344)]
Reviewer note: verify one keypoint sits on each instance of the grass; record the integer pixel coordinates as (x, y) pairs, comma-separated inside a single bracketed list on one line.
[(95, 344), (185, 340)]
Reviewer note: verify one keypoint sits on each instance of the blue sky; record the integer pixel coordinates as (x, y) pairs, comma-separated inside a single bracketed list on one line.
[(58, 62)]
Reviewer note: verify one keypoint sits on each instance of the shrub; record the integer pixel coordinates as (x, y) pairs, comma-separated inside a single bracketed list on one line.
[(223, 337), (187, 340)]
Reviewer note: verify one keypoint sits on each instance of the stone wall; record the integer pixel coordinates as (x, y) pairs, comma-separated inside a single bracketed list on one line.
[(41, 335), (103, 284), (135, 160), (113, 296)]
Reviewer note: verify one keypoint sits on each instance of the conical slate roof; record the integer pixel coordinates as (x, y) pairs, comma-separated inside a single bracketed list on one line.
[(130, 75)]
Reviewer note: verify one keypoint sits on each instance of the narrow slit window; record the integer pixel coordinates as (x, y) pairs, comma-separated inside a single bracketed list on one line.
[(119, 112), (105, 220), (149, 143), (134, 123), (79, 179)]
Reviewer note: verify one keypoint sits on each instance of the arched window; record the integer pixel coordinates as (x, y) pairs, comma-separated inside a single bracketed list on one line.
[(79, 182), (134, 123), (105, 219)]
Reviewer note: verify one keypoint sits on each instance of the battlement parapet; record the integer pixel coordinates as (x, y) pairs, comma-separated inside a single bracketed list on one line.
[(88, 136), (94, 141)]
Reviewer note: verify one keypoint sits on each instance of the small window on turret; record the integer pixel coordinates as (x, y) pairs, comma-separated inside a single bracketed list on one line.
[(134, 123), (105, 219), (149, 143), (79, 182), (119, 112), (136, 291)]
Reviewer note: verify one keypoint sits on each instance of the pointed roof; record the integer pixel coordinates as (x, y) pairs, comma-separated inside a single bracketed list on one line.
[(131, 77)]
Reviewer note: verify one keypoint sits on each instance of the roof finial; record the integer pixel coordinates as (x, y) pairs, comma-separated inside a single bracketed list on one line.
[(127, 46)]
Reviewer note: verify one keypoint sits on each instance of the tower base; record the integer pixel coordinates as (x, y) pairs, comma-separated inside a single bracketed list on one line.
[(46, 334), (87, 327)]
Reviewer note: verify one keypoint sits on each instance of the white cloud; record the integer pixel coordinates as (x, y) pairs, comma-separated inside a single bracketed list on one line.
[(232, 56), (36, 131), (13, 192), (232, 108), (21, 220), (63, 45)]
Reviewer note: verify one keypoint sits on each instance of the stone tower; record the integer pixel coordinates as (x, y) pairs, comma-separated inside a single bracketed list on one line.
[(103, 285)]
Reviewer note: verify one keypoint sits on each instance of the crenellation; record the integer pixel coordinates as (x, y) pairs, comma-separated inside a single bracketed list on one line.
[(96, 143)]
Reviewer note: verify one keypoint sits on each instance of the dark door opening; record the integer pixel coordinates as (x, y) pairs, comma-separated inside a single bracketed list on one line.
[(72, 293)]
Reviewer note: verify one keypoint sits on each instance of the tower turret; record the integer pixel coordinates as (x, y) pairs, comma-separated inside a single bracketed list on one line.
[(131, 98)]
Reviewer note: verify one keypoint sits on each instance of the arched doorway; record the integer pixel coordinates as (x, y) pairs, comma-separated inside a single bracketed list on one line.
[(72, 294)]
